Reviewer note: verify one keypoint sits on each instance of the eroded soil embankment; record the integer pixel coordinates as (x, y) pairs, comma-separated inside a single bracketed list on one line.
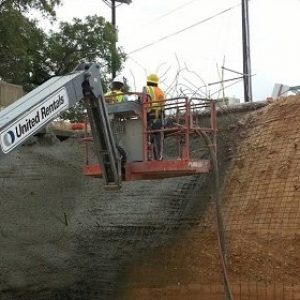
[(261, 210)]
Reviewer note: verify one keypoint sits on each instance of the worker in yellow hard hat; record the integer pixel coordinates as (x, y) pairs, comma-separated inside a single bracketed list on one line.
[(116, 94), (155, 114)]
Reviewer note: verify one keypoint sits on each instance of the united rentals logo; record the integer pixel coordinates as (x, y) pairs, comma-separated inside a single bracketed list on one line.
[(16, 133), (9, 138)]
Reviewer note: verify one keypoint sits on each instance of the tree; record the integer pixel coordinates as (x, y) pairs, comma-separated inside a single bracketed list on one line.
[(29, 57), (86, 40), (22, 42), (21, 49), (45, 6)]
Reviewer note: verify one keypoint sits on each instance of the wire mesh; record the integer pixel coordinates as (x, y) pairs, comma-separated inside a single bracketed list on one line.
[(156, 239)]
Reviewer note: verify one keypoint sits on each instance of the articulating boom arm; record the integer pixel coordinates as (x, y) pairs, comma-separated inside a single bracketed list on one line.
[(36, 109)]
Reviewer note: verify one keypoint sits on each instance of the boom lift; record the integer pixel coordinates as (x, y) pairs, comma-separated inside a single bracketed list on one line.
[(119, 132), (131, 132), (32, 112)]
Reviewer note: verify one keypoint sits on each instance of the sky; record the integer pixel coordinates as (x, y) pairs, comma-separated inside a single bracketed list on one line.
[(186, 43)]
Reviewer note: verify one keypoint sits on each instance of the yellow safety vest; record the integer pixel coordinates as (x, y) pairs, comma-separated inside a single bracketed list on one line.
[(114, 97), (156, 97)]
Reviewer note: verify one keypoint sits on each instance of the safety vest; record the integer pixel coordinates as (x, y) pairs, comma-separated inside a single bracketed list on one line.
[(156, 97), (114, 97)]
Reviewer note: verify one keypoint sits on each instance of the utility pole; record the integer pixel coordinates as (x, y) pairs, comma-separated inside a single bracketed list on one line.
[(114, 51), (246, 52), (113, 22)]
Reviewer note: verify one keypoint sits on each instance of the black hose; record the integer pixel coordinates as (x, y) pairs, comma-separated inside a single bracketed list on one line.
[(220, 220)]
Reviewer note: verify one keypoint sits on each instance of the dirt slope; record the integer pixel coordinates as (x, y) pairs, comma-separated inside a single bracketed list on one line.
[(261, 209)]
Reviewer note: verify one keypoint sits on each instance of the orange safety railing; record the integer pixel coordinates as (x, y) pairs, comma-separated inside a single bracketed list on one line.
[(180, 118)]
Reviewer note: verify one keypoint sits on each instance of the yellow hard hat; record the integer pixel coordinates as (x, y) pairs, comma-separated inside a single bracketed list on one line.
[(153, 78)]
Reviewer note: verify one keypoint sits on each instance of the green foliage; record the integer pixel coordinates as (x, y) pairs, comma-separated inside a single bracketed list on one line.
[(21, 50), (45, 6), (84, 40), (75, 113), (29, 57)]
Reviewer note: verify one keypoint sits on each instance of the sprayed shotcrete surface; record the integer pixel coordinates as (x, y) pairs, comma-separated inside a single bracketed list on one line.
[(62, 236)]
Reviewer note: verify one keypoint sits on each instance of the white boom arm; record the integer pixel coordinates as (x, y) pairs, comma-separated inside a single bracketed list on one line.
[(35, 110)]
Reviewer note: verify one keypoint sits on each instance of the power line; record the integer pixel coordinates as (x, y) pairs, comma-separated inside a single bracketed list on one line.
[(108, 3), (173, 10), (186, 28)]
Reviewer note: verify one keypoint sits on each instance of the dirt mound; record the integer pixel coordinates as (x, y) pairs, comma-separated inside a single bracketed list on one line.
[(261, 210)]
